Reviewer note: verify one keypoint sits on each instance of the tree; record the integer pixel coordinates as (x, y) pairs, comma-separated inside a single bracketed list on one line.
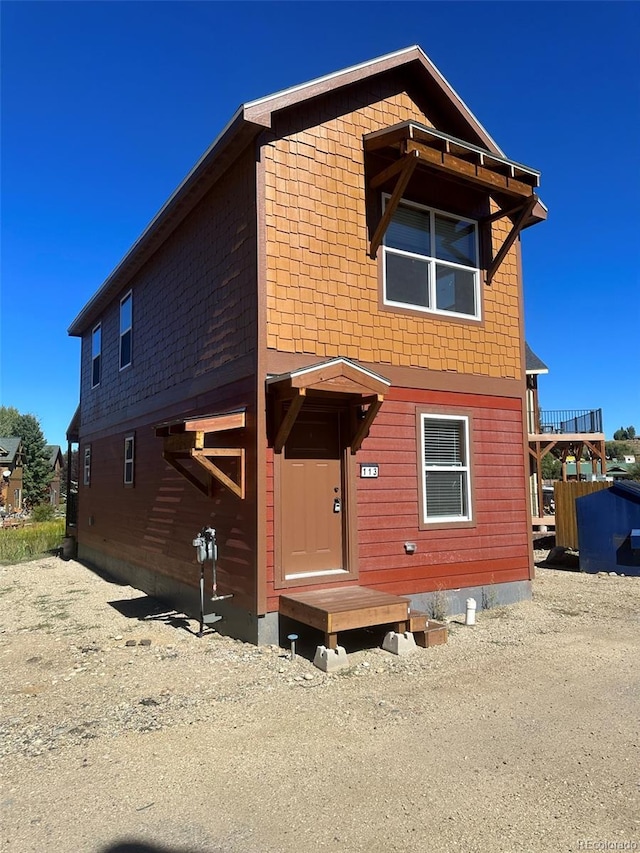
[(623, 434), (37, 473), (8, 418), (551, 467), (634, 471)]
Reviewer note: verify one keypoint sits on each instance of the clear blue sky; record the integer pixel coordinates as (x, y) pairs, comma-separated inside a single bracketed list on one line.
[(106, 106)]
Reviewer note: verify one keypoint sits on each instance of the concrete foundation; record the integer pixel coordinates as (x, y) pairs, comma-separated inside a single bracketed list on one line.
[(330, 660), (399, 644), (265, 630), (236, 621), (448, 602)]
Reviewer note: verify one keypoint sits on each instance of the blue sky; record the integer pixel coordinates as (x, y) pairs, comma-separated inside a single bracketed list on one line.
[(106, 106)]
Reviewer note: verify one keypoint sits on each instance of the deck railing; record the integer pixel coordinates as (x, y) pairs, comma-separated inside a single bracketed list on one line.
[(570, 420)]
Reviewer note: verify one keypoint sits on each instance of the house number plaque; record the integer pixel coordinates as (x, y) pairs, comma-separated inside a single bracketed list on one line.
[(369, 470)]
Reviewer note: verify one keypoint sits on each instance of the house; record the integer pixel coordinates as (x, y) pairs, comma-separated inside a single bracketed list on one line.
[(566, 432), (56, 464), (11, 473), (316, 349)]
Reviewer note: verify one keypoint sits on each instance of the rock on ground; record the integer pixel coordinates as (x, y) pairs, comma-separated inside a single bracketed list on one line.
[(122, 732)]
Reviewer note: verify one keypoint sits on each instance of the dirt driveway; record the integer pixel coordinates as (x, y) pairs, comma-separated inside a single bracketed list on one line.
[(123, 732)]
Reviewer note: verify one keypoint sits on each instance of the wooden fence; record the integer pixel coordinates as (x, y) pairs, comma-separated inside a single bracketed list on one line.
[(565, 495)]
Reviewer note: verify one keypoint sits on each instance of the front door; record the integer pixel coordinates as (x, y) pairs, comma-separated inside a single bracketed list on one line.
[(312, 497)]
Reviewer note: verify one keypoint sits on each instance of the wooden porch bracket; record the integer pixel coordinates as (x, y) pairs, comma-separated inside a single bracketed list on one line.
[(518, 225), (365, 425), (184, 440), (405, 166), (288, 420)]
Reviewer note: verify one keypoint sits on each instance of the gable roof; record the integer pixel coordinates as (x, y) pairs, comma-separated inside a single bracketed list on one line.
[(9, 448), (53, 452), (534, 364), (253, 118)]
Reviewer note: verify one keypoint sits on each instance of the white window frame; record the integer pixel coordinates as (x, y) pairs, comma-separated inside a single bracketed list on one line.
[(128, 330), (97, 329), (129, 459), (432, 261), (86, 466), (465, 469)]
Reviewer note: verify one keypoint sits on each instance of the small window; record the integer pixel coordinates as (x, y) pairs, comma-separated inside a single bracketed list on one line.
[(86, 467), (96, 355), (129, 450), (126, 328), (431, 262), (446, 482)]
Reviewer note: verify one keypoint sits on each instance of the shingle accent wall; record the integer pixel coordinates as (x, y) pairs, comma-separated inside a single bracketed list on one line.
[(194, 304), (323, 290)]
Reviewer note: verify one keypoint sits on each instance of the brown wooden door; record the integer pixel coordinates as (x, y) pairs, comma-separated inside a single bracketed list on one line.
[(311, 493)]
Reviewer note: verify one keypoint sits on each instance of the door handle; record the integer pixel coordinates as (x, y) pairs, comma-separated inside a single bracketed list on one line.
[(337, 505)]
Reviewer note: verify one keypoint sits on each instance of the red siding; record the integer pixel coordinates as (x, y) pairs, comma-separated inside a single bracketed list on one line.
[(494, 550)]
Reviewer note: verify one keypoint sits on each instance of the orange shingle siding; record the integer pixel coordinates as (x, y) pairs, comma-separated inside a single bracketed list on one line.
[(322, 287)]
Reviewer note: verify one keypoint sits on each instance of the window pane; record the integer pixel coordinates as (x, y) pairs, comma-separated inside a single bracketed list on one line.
[(407, 280), (455, 290), (445, 494), (125, 314), (96, 341), (444, 442), (455, 241), (95, 374), (125, 349), (409, 231)]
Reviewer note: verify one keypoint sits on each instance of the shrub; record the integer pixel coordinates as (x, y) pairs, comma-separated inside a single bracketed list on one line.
[(43, 512), (27, 543)]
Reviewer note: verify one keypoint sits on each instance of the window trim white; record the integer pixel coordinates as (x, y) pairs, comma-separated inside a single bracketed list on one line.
[(465, 469), (432, 261), (129, 441), (86, 466), (123, 332), (96, 328)]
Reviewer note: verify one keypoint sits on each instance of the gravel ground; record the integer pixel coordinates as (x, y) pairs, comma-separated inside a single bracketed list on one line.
[(122, 732)]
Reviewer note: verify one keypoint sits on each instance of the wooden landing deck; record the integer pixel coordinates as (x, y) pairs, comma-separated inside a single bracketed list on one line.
[(343, 609)]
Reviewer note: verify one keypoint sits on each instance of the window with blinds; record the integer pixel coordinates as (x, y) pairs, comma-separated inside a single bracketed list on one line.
[(431, 262), (445, 468)]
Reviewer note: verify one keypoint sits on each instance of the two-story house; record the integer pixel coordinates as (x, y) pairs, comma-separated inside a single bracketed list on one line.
[(316, 348)]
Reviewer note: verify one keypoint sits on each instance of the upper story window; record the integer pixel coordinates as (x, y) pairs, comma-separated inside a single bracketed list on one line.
[(126, 329), (96, 355), (446, 480), (431, 262), (129, 450)]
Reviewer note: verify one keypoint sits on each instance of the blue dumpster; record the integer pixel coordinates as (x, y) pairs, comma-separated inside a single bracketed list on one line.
[(608, 525)]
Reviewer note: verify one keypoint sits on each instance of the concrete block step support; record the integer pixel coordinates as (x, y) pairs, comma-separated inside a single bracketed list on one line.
[(330, 660)]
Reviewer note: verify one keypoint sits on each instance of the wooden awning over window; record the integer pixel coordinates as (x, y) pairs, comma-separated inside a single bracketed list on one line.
[(339, 380), (184, 440), (410, 145)]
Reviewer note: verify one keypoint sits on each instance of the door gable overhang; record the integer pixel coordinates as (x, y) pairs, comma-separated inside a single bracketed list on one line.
[(337, 381)]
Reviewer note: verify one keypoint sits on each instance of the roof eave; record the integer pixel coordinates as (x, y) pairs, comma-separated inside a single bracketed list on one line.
[(233, 139)]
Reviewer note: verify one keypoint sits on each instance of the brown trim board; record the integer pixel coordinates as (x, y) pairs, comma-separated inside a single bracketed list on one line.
[(411, 377)]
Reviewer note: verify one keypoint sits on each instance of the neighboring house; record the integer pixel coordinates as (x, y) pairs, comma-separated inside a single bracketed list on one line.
[(56, 465), (317, 349), (11, 471), (567, 432)]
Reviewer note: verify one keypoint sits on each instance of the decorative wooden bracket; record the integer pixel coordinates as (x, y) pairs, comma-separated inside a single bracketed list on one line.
[(405, 167), (365, 424), (288, 420), (184, 441), (518, 225)]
